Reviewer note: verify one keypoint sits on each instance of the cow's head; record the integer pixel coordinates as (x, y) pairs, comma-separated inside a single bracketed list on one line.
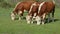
[(38, 19), (12, 16)]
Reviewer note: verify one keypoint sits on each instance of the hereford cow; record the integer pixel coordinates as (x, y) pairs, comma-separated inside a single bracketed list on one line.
[(32, 12), (20, 7), (44, 9)]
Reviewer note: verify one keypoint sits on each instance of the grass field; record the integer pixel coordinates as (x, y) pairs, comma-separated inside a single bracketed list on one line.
[(7, 26)]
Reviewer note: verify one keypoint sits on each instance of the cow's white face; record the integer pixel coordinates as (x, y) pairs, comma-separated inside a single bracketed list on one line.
[(38, 19), (28, 18), (12, 16)]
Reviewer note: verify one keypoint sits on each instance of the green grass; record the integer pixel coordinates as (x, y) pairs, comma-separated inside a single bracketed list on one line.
[(7, 26)]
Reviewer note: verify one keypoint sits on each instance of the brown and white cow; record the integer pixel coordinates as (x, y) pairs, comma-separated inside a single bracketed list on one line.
[(44, 9), (20, 7), (32, 12)]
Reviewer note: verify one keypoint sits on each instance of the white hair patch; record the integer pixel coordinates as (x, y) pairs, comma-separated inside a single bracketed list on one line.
[(32, 6), (20, 12), (40, 6), (12, 16)]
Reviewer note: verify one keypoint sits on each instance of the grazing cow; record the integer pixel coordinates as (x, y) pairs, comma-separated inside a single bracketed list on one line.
[(20, 7), (44, 9), (32, 12)]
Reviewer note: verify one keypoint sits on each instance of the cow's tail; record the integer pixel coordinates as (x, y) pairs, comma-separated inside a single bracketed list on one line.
[(54, 6), (53, 1), (53, 13)]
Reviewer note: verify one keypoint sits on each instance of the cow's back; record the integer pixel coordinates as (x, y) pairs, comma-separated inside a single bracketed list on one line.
[(47, 7), (25, 5), (50, 6), (28, 4)]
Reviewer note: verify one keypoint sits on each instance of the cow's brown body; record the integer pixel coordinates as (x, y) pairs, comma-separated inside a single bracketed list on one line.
[(21, 6), (47, 8), (33, 12)]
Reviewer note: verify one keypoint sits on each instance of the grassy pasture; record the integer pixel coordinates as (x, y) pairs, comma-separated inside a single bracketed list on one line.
[(7, 26)]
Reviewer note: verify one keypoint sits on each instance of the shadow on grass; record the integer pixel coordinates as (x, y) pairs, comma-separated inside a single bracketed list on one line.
[(23, 18), (47, 21), (51, 20)]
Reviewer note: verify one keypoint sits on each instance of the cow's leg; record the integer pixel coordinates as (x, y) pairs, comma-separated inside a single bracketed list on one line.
[(48, 17), (38, 19), (43, 18), (20, 13), (19, 17), (28, 18), (53, 14), (12, 16), (53, 17), (43, 21), (32, 21)]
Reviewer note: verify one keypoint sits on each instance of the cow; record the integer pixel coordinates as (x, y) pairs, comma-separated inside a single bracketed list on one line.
[(44, 9), (32, 12), (20, 7)]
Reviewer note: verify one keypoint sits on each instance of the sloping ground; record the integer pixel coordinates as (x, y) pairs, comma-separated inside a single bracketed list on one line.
[(7, 26)]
